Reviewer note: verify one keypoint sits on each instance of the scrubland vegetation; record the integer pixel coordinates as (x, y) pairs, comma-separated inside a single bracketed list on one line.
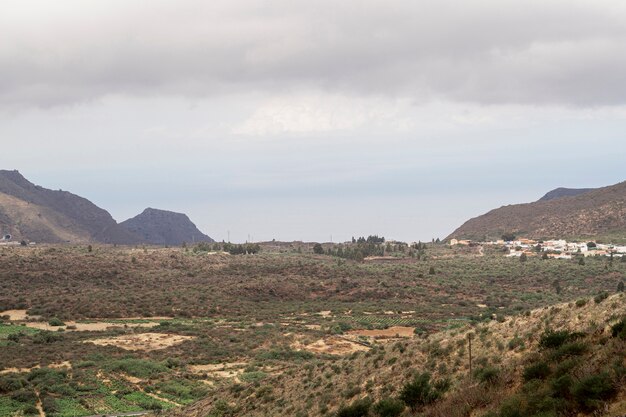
[(273, 329)]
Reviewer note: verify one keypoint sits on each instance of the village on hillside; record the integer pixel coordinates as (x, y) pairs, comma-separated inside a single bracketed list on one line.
[(557, 249)]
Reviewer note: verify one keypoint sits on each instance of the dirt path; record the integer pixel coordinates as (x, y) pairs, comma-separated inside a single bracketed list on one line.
[(39, 405)]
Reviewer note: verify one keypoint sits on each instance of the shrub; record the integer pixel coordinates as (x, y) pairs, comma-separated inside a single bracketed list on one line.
[(590, 391), (359, 408), (487, 374), (539, 370), (222, 409), (318, 249), (55, 322), (137, 367), (552, 340), (581, 302), (46, 337), (601, 297), (420, 392), (619, 329), (569, 349), (388, 407)]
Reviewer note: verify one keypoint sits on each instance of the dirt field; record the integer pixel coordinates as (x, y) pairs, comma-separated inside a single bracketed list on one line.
[(143, 341), (391, 332), (333, 345)]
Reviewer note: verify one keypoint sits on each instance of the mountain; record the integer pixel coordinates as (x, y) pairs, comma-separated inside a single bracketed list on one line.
[(34, 213), (161, 227), (596, 213), (564, 192)]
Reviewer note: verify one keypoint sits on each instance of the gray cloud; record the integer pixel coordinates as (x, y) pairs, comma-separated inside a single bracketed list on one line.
[(488, 52)]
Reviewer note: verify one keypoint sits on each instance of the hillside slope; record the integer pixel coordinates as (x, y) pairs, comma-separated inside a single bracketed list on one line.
[(560, 381), (600, 212), (161, 227), (34, 213)]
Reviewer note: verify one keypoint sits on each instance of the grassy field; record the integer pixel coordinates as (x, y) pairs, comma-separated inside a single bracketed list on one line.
[(175, 325)]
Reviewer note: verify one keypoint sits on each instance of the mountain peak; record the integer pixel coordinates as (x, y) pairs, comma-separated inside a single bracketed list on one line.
[(163, 227), (564, 192)]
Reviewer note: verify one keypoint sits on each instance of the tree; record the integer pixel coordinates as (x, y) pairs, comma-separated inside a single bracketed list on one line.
[(591, 244), (620, 286), (523, 257), (581, 260), (318, 249), (508, 237)]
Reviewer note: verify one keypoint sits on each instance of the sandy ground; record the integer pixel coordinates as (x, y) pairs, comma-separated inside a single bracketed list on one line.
[(97, 325), (220, 370), (333, 345), (395, 331), (17, 315), (87, 327), (60, 365), (142, 341)]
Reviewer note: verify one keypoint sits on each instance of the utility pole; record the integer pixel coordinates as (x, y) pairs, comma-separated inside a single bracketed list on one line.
[(470, 336)]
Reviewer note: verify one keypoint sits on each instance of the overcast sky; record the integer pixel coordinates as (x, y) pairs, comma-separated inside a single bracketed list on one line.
[(310, 119)]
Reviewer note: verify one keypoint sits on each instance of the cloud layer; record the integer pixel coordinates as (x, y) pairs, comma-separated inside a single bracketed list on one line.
[(486, 51)]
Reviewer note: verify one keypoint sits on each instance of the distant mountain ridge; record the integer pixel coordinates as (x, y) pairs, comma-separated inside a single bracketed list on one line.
[(28, 211), (34, 213), (597, 212), (564, 192), (161, 227)]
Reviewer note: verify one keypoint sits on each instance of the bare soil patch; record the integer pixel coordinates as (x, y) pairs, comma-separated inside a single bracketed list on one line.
[(72, 326), (143, 341), (17, 315), (333, 345), (391, 332)]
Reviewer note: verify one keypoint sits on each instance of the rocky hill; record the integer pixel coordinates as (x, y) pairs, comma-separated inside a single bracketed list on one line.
[(564, 192), (161, 227), (596, 213), (34, 213)]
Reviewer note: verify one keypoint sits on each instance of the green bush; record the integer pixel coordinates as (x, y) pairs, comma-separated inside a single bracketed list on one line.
[(487, 374), (359, 408), (56, 322), (137, 367), (590, 391), (553, 340), (619, 329), (539, 370), (601, 297), (569, 349), (388, 407), (420, 392)]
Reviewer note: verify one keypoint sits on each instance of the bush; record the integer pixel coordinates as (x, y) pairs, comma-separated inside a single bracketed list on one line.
[(488, 374), (45, 337), (318, 249), (359, 408), (539, 370), (388, 407), (619, 329), (581, 302), (56, 322), (590, 391), (569, 349), (552, 340), (420, 392), (601, 297)]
